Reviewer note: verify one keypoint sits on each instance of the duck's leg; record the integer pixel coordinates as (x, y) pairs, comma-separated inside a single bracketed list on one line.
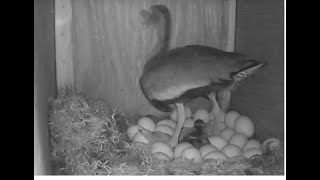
[(224, 98), (181, 118), (218, 114)]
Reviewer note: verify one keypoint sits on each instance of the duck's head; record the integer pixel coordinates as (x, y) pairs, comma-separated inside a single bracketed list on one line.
[(249, 68), (159, 18), (156, 14)]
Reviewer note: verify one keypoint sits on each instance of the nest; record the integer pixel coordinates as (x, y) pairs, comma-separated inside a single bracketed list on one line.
[(88, 137)]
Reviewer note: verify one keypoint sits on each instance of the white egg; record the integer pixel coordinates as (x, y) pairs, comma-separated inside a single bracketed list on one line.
[(161, 147), (252, 143), (179, 148), (193, 154), (204, 150), (161, 156), (132, 130), (231, 150), (244, 125), (168, 122), (227, 133), (217, 141), (238, 139), (230, 118), (251, 152), (147, 123), (202, 114), (138, 137), (236, 158), (164, 129), (216, 155)]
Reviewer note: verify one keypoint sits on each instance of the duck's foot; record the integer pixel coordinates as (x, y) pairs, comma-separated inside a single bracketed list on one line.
[(181, 118)]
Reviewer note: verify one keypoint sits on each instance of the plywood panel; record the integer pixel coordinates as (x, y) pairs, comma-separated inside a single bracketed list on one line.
[(63, 43), (111, 45), (44, 81), (260, 34)]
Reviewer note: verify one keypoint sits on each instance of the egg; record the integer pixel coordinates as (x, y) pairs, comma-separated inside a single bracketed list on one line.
[(174, 113), (161, 147), (230, 118), (252, 143), (238, 139), (236, 158), (193, 154), (271, 143), (168, 122), (231, 150), (202, 114), (138, 137), (217, 141), (244, 125), (216, 155), (161, 156), (139, 145), (147, 123), (179, 148), (164, 129), (251, 152), (204, 150), (227, 133), (132, 130), (188, 123)]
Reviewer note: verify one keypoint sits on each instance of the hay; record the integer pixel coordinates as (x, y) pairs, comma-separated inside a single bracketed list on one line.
[(88, 137)]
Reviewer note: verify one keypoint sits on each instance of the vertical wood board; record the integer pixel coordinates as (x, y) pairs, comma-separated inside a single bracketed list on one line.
[(64, 43), (111, 46)]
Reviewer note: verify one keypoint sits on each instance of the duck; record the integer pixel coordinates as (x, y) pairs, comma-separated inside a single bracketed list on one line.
[(173, 77)]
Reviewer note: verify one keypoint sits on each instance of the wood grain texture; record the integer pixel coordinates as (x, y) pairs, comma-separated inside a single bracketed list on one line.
[(64, 43), (111, 46), (260, 34), (229, 21), (44, 81)]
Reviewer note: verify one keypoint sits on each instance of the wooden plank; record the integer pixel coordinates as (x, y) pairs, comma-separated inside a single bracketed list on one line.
[(111, 45), (64, 46), (44, 81), (224, 96), (230, 24), (260, 34)]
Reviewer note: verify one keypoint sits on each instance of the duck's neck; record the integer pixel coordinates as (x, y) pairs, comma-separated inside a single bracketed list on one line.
[(163, 30)]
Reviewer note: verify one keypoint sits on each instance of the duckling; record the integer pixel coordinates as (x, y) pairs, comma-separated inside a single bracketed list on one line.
[(197, 137)]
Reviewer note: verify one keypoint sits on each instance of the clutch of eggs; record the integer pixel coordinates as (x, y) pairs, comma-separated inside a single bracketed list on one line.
[(186, 150), (161, 151), (165, 126), (239, 123)]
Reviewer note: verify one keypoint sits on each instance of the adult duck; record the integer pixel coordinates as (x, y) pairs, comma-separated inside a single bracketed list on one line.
[(173, 77)]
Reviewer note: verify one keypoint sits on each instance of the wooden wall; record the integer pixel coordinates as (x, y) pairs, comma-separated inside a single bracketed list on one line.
[(44, 81), (110, 45), (260, 34)]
